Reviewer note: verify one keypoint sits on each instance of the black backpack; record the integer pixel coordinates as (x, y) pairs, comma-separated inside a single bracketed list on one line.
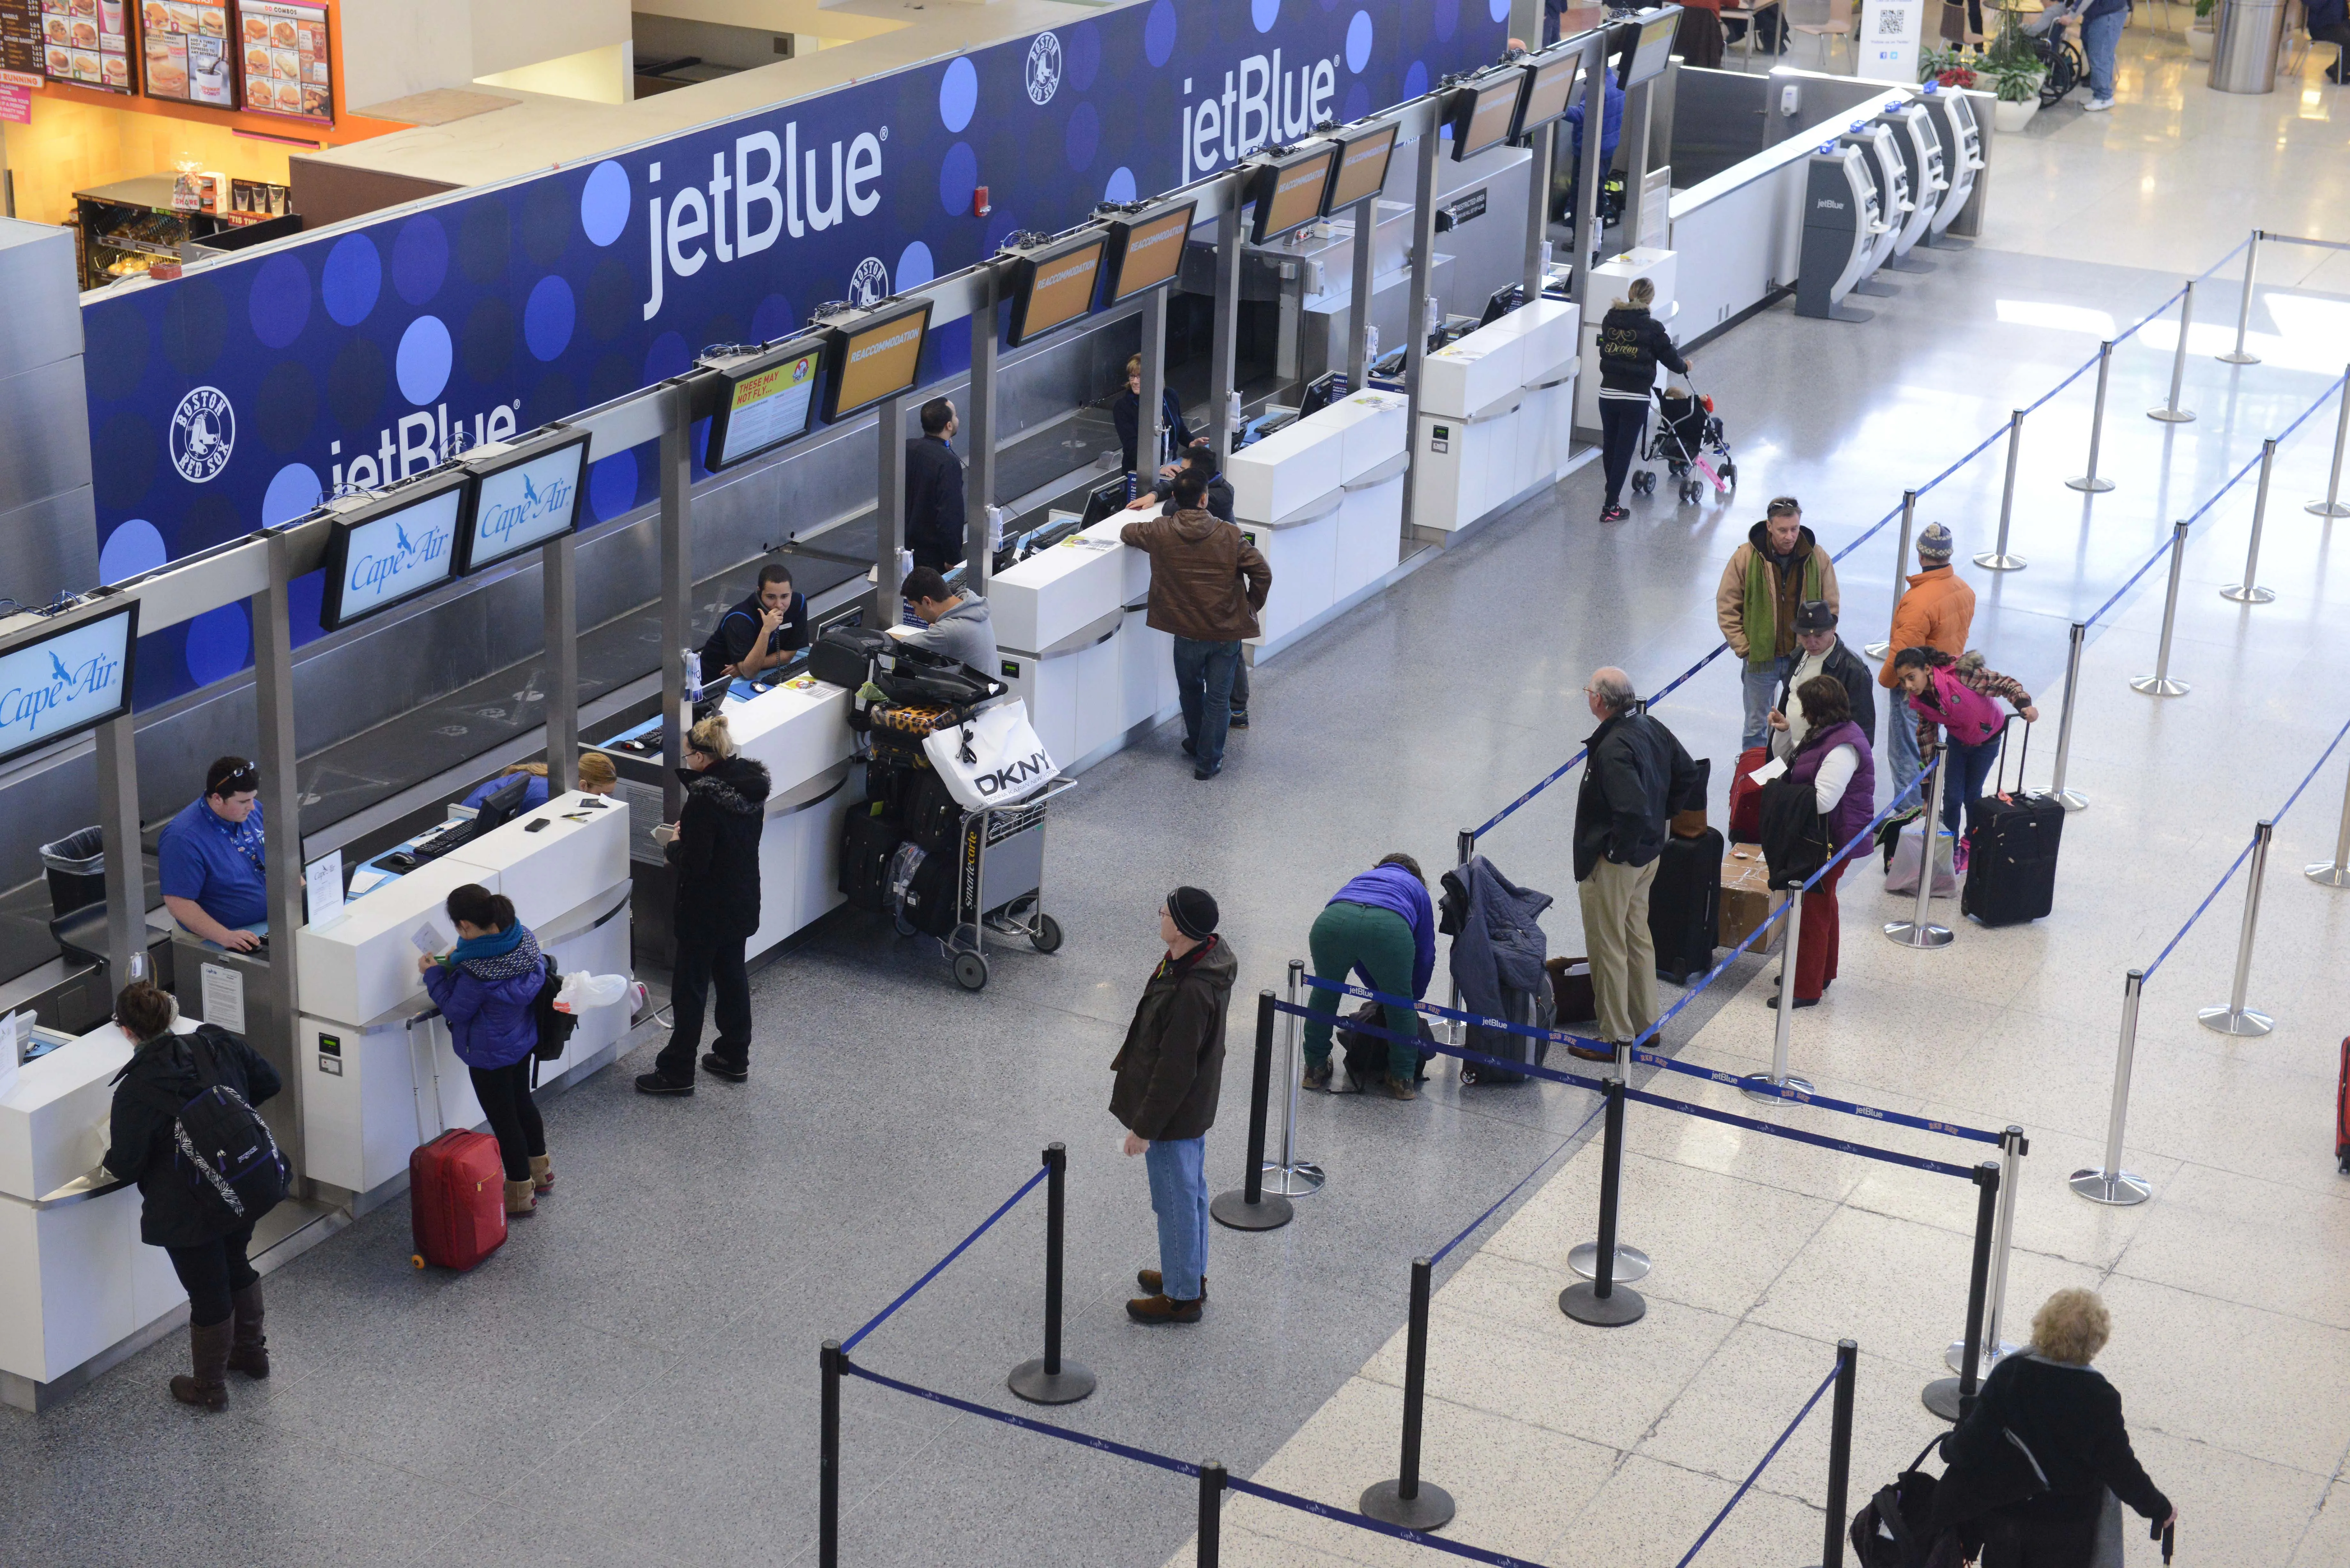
[(1891, 1530), (554, 1027), (222, 1148)]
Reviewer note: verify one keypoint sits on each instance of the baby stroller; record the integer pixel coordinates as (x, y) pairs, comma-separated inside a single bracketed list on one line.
[(1686, 429)]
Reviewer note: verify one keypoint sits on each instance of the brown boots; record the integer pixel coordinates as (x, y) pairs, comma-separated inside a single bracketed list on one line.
[(521, 1197), (542, 1172), (208, 1347), (248, 1352)]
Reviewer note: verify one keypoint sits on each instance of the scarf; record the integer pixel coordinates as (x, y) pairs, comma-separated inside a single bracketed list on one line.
[(498, 955)]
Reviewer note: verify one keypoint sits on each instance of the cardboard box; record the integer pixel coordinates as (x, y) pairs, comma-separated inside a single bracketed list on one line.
[(1746, 898)]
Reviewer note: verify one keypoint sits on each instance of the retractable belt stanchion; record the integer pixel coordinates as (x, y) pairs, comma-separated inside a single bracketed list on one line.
[(2089, 481), (1604, 1303), (2012, 1145), (1840, 1453), (1627, 1263), (1918, 930), (2159, 684), (1051, 1380), (828, 1465), (2237, 356), (1766, 1087), (2236, 1018), (2070, 799), (1900, 571), (1409, 1501), (2333, 505), (1997, 559), (1290, 1176), (1252, 1207), (2110, 1183), (1212, 1514), (2249, 591), (1951, 1397), (2170, 413), (2335, 873)]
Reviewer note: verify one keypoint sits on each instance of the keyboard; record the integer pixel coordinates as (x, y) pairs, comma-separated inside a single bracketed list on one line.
[(440, 841)]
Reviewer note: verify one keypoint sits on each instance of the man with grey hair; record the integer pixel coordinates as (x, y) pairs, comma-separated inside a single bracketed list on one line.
[(1635, 775)]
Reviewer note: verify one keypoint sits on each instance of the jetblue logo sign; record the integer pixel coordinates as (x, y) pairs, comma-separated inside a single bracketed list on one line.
[(1264, 102), (56, 685), (777, 190)]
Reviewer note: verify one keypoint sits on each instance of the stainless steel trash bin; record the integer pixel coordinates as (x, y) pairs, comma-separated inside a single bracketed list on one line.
[(2248, 37)]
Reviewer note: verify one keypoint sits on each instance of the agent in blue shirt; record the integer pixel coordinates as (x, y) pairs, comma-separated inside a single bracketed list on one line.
[(1382, 926), (213, 878)]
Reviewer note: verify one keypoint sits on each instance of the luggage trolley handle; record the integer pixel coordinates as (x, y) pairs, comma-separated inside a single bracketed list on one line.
[(2022, 759), (416, 1083)]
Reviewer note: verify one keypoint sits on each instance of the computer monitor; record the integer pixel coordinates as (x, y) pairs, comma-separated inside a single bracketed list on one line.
[(1550, 91), (1321, 392), (65, 673), (1482, 113), (874, 355), (502, 805), (1146, 250), (385, 551), (1107, 501), (1052, 285), (524, 493), (765, 399), (1501, 302), (1362, 167), (1655, 47), (1287, 190)]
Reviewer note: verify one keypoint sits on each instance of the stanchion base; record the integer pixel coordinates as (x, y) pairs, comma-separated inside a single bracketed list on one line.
[(2252, 596), (2160, 686), (1292, 1181), (1905, 933), (1431, 1509), (1758, 1086), (2320, 509), (2119, 1191), (2245, 1024), (2333, 876), (1631, 1263), (2170, 416), (1038, 1387), (2088, 485), (1877, 649), (2072, 800), (2233, 357), (1618, 1307), (1992, 561), (1270, 1212), (1941, 1397), (1955, 1358)]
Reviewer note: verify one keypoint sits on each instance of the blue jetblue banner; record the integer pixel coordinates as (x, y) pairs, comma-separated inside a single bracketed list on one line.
[(236, 397)]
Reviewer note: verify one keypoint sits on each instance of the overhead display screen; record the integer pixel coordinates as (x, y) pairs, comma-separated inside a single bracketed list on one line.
[(1492, 106), (1655, 48), (393, 549), (876, 357), (1362, 167), (1148, 251), (58, 683), (522, 498), (1056, 286), (1289, 192), (765, 401), (1552, 91)]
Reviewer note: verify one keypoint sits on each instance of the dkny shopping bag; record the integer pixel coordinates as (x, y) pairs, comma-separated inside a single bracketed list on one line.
[(993, 758)]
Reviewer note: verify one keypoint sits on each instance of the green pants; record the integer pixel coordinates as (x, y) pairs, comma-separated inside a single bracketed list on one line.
[(1347, 937)]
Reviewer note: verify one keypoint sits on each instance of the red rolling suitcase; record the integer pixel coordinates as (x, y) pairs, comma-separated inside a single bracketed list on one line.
[(457, 1200), (1746, 797)]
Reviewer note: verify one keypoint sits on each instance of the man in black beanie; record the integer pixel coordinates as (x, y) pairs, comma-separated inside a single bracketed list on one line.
[(1168, 1074)]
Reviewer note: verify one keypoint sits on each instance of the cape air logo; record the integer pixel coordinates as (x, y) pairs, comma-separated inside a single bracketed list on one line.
[(49, 688), (204, 433), (870, 284), (1044, 70)]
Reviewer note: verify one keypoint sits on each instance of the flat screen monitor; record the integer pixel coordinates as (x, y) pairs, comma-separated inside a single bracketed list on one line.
[(58, 680), (1550, 92), (501, 806), (1321, 392), (1148, 251), (875, 357), (523, 497), (1362, 167), (765, 400), (392, 548), (1105, 501), (1054, 285), (1289, 190), (1654, 48), (1483, 111)]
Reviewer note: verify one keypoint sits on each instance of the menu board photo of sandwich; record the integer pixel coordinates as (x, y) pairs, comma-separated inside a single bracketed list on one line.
[(187, 51), (281, 49), (87, 43)]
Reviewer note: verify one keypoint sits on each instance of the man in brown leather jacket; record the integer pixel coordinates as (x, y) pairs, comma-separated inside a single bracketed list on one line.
[(1207, 585)]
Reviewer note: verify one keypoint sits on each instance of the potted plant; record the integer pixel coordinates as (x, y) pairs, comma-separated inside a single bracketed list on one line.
[(2200, 31), (2016, 85)]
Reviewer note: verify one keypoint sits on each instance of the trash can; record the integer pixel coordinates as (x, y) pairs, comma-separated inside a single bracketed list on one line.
[(76, 865), (2247, 37)]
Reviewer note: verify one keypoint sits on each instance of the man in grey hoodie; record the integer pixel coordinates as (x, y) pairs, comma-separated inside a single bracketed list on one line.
[(955, 624)]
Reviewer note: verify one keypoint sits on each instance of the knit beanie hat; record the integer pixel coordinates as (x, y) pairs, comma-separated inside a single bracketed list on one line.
[(1934, 541), (1193, 910)]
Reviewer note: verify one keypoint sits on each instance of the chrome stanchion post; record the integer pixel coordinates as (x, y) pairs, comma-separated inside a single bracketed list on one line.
[(2159, 684), (2089, 481), (2333, 505), (2012, 1147), (2236, 1018), (2249, 591), (2337, 873), (1604, 1303), (1409, 1501), (2170, 413), (1918, 930), (2237, 356), (1757, 1086), (1997, 559), (2110, 1183), (1951, 1397), (1900, 571), (1290, 1176), (2070, 799)]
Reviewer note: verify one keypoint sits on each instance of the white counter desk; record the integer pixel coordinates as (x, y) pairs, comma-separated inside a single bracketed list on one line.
[(1496, 415), (1322, 499), (1069, 623)]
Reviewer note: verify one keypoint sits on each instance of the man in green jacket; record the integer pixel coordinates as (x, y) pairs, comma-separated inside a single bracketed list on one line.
[(1170, 1072), (1780, 566)]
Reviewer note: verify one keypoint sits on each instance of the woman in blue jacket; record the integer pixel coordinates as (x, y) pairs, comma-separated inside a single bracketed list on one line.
[(1382, 926), (487, 988)]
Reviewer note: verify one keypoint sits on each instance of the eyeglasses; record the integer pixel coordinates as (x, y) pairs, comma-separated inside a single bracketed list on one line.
[(1781, 504), (239, 782)]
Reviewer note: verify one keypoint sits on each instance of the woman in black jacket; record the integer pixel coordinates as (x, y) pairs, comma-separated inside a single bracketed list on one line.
[(1126, 413), (171, 1067), (2069, 1420), (1632, 344), (713, 847)]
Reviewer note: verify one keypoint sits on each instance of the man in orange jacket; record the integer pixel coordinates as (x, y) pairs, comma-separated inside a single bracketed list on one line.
[(1937, 610)]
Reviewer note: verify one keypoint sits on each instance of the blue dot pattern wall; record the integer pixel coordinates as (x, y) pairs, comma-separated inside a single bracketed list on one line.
[(236, 397)]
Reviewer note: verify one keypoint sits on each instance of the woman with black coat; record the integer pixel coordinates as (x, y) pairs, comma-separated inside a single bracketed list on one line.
[(170, 1066), (713, 847), (1632, 344)]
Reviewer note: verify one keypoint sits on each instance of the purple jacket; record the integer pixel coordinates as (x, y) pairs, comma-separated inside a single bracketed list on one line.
[(1859, 803), (1393, 889), (488, 1005)]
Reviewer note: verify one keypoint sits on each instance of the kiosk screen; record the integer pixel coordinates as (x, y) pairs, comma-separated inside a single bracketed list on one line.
[(1492, 105), (56, 682), (765, 401), (1552, 91), (1054, 288), (1362, 167), (523, 498), (1655, 48), (1289, 192), (393, 549), (877, 359), (1148, 251)]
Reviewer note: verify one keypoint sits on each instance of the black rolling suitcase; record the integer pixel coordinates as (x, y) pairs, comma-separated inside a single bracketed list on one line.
[(933, 816), (1685, 906), (867, 842), (2012, 850)]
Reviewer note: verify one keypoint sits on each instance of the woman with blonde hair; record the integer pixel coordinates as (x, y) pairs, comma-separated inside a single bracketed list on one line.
[(1632, 344), (596, 776), (713, 847)]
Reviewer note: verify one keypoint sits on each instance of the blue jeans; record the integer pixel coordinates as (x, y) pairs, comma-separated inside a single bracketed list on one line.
[(1761, 691), (2100, 35), (1970, 766), (1901, 744), (1179, 1196), (1204, 677)]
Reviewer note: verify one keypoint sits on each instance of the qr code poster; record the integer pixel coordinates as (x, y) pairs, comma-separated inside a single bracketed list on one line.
[(1892, 21), (1889, 32)]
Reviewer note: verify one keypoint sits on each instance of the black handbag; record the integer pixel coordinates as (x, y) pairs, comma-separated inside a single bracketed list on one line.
[(1795, 834)]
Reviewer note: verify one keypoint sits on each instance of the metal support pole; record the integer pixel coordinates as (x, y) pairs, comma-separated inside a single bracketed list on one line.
[(1415, 327), (2335, 873), (2089, 481), (281, 788), (2236, 1018), (2012, 1147), (1766, 1086), (1223, 382), (1998, 559), (1539, 149), (2110, 1183), (1464, 847), (1952, 1398), (979, 428), (2170, 413), (2159, 684), (1050, 1380), (1603, 1303), (1639, 114), (2249, 591), (1290, 1176), (1212, 1509), (889, 511), (677, 586), (1409, 1501), (2070, 799), (560, 613), (1358, 299), (1900, 570), (1151, 405), (1251, 1208), (1589, 173), (1840, 1453), (1918, 930), (2333, 505), (126, 858), (2244, 306), (827, 1467)]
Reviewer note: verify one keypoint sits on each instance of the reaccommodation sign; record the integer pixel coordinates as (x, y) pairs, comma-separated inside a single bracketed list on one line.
[(238, 397)]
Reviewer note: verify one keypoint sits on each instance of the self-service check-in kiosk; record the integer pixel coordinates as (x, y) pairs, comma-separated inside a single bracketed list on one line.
[(1952, 115), (1921, 153), (1885, 168), (1841, 230)]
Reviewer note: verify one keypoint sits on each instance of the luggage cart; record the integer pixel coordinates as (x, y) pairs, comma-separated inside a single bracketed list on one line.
[(999, 884)]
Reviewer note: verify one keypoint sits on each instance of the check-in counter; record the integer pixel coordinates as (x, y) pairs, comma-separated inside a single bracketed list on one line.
[(1495, 409), (1070, 625), (1322, 499)]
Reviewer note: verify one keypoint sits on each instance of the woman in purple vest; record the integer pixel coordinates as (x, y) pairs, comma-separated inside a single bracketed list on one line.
[(1834, 758)]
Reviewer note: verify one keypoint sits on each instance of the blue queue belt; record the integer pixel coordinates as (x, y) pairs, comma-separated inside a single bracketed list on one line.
[(936, 1269), (1756, 1474)]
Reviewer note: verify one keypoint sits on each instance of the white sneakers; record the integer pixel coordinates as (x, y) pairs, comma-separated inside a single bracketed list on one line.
[(2097, 106)]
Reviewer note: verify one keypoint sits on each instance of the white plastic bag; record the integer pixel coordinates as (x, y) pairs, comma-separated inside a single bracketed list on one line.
[(582, 991), (1901, 876), (993, 759)]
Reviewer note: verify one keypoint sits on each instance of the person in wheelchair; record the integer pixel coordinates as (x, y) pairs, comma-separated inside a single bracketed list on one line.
[(2097, 25)]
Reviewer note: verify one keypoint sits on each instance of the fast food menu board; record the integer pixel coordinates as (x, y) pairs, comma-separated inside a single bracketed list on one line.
[(20, 37), (282, 49), (87, 43), (187, 49)]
